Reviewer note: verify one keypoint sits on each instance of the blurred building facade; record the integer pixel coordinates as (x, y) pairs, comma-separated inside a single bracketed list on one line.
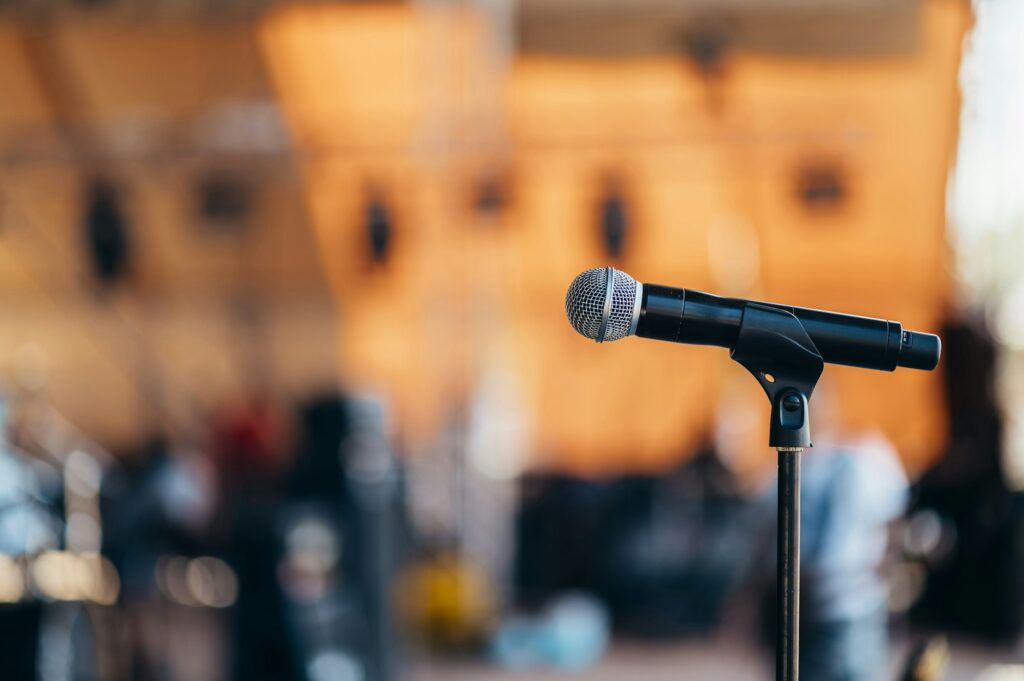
[(801, 172), (436, 173)]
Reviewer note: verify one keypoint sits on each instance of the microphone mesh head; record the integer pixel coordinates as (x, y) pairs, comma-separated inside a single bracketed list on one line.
[(586, 304)]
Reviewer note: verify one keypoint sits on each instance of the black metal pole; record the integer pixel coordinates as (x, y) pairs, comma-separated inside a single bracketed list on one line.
[(787, 645)]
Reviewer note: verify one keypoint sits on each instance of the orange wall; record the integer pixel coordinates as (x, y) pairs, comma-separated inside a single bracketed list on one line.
[(405, 99)]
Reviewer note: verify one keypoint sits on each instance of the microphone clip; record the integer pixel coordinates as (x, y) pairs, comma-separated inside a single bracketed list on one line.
[(774, 346)]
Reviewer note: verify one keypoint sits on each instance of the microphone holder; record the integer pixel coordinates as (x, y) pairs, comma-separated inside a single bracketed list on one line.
[(774, 346)]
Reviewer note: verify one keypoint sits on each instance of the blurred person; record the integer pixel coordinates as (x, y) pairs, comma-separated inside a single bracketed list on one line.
[(250, 448), (157, 504), (28, 524), (853, 487)]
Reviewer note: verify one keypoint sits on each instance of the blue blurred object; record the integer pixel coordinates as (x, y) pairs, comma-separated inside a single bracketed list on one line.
[(571, 634)]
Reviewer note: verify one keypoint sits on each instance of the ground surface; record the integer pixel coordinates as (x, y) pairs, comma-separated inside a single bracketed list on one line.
[(717, 660)]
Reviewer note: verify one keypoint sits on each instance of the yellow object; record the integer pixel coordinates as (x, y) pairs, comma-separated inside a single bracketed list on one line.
[(446, 602)]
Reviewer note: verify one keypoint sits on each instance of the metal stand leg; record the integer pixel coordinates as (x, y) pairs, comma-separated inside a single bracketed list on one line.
[(774, 346), (787, 646)]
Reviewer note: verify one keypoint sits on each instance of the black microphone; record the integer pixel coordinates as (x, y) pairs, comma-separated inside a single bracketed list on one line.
[(605, 304)]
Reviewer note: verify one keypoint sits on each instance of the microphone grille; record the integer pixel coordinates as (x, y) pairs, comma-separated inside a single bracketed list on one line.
[(603, 304)]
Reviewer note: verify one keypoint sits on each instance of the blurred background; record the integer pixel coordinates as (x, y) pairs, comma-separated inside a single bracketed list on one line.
[(287, 391)]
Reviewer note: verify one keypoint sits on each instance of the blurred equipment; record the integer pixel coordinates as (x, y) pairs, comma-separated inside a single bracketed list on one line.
[(664, 552), (337, 564), (564, 533), (974, 559)]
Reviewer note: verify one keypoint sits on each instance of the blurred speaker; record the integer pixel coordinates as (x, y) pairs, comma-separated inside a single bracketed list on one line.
[(614, 223), (107, 240), (224, 202), (379, 230), (820, 185), (490, 196)]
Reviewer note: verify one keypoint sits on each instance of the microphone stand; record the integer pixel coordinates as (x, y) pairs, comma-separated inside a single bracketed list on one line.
[(774, 346)]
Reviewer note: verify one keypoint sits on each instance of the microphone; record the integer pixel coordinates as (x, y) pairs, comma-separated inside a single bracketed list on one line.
[(605, 304)]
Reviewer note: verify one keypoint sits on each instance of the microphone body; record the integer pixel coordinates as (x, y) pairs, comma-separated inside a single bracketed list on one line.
[(688, 316), (605, 304)]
